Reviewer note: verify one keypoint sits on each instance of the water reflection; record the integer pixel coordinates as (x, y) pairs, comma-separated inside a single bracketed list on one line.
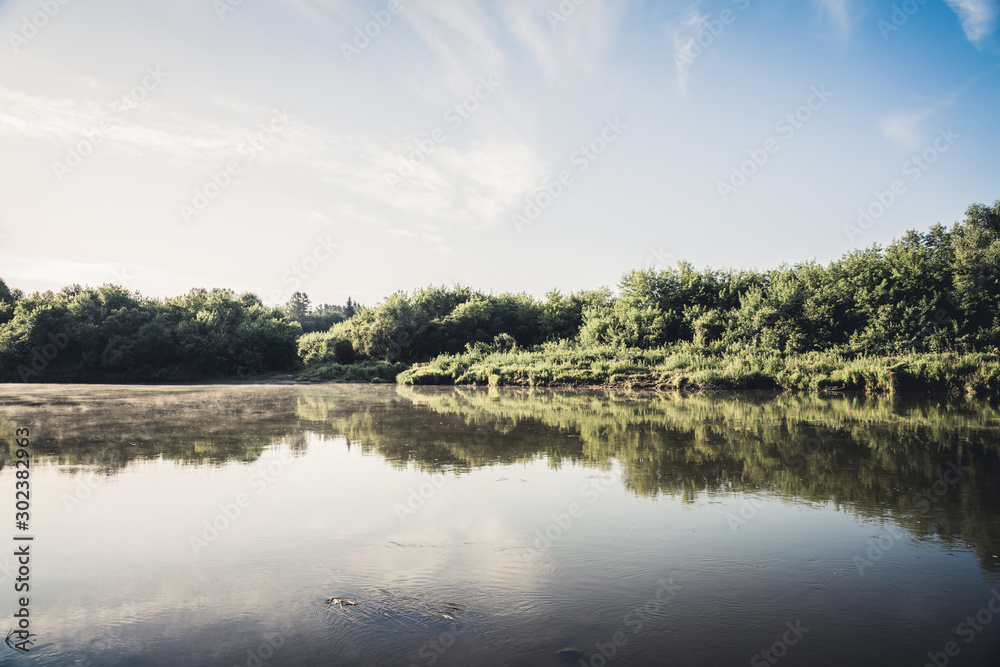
[(665, 529), (929, 465)]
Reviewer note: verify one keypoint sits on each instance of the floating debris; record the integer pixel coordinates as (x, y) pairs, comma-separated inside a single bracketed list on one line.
[(342, 602)]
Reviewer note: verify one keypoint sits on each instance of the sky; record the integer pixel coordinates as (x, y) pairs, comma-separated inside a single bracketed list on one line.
[(352, 149)]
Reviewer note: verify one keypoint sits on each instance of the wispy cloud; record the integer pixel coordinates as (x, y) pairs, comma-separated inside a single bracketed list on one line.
[(978, 17), (683, 35), (908, 129), (561, 41), (474, 184), (838, 14), (904, 129), (461, 36), (28, 269), (307, 11)]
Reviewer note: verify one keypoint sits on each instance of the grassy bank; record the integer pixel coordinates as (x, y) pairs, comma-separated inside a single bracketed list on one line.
[(364, 371), (686, 366)]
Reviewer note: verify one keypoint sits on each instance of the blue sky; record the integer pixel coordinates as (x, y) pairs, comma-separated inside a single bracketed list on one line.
[(510, 146)]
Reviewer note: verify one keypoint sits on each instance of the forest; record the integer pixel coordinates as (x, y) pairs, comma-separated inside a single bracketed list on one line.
[(920, 313)]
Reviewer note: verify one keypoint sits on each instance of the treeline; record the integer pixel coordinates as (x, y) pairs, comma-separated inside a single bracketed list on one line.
[(437, 320), (930, 292), (108, 334), (320, 318), (925, 292)]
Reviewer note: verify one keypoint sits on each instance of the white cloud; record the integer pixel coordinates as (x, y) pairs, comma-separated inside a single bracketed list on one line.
[(317, 218), (838, 13), (69, 121), (903, 129), (474, 184), (460, 34), (683, 36), (907, 129), (49, 270), (978, 17), (563, 42), (309, 13)]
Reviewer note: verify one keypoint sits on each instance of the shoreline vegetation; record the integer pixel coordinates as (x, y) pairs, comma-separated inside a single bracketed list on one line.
[(920, 314), (687, 367)]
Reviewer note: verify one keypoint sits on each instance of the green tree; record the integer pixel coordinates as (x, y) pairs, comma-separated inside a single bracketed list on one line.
[(297, 307)]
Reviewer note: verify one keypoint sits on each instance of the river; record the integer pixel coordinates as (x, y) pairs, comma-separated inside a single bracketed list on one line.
[(381, 525)]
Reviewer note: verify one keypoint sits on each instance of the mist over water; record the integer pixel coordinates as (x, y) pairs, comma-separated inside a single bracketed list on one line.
[(214, 525)]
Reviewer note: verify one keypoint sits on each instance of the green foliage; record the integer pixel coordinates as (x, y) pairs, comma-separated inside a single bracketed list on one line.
[(877, 309), (365, 371), (691, 367), (911, 315), (434, 320), (933, 292), (111, 334), (930, 291), (325, 347), (562, 316), (299, 309)]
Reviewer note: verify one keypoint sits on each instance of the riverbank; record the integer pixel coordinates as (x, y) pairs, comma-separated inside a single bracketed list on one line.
[(362, 371), (688, 367)]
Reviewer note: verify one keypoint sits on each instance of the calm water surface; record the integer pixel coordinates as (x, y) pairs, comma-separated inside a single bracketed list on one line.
[(211, 525)]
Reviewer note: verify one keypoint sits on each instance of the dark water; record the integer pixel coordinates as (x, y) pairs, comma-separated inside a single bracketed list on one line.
[(476, 527)]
